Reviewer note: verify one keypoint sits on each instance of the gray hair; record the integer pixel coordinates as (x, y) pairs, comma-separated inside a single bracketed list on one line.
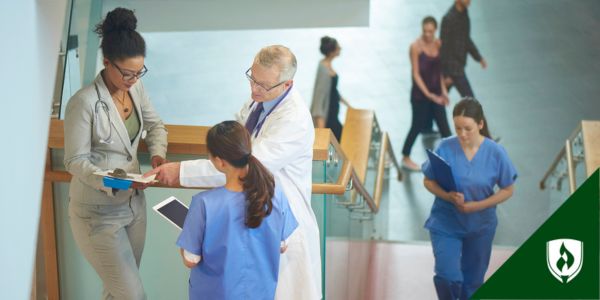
[(280, 57)]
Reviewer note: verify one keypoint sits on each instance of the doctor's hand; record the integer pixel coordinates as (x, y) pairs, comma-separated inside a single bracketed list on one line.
[(157, 161), (166, 174)]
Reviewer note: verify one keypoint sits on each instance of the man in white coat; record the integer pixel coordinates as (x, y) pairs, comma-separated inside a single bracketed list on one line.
[(282, 139)]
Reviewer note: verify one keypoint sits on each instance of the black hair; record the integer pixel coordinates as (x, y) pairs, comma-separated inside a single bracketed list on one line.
[(230, 141), (471, 108), (328, 45), (120, 40), (429, 19)]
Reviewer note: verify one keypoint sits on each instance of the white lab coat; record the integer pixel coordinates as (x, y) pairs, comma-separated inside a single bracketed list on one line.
[(285, 146)]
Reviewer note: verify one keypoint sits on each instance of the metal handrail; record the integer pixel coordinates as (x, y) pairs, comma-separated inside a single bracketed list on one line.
[(565, 151)]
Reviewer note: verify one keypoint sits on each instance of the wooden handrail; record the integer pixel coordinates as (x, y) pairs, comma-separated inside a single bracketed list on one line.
[(192, 140), (590, 130), (183, 139)]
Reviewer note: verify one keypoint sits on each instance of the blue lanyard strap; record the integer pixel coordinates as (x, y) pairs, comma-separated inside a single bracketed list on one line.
[(260, 124)]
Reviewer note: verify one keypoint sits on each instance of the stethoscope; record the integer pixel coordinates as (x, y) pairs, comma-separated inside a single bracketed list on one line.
[(108, 139)]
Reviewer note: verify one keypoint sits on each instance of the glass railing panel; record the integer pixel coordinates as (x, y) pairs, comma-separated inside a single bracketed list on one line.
[(558, 185), (579, 159), (80, 47), (318, 204), (161, 256), (373, 158)]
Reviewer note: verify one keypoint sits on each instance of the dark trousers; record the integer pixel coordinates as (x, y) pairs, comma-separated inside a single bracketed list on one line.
[(336, 127), (461, 82), (421, 110)]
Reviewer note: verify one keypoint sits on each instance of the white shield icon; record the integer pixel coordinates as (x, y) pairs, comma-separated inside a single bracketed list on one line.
[(564, 258)]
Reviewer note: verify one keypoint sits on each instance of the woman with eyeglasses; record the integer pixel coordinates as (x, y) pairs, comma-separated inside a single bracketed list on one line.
[(326, 97), (104, 122)]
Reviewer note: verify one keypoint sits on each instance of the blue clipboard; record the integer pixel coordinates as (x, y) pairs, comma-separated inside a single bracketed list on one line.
[(442, 171)]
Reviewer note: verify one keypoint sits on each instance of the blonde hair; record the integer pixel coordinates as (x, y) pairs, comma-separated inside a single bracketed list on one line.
[(280, 57)]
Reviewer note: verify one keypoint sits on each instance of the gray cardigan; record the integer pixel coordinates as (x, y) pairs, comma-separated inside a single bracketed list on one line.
[(321, 93)]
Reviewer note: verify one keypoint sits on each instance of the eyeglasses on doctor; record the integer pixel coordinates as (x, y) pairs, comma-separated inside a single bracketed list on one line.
[(130, 76), (253, 82)]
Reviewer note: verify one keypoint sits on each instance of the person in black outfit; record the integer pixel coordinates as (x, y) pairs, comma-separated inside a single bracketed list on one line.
[(456, 43), (326, 98), (428, 95)]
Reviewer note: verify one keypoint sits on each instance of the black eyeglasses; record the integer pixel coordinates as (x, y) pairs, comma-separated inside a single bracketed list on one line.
[(129, 76), (253, 82)]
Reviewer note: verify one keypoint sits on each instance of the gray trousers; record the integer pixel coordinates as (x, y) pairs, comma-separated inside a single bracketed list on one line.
[(111, 237)]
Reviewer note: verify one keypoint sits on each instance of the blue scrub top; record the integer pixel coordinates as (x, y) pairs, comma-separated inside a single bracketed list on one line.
[(237, 262), (476, 179)]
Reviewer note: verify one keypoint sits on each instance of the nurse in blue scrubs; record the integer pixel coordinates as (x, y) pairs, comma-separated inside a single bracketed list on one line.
[(233, 235), (462, 223)]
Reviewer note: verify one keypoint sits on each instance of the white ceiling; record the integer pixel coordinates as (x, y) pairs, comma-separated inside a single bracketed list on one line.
[(197, 15)]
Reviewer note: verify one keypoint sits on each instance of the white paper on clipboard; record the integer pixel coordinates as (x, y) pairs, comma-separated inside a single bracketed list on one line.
[(130, 176)]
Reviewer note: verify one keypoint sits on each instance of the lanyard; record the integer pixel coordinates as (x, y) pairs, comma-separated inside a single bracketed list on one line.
[(260, 124)]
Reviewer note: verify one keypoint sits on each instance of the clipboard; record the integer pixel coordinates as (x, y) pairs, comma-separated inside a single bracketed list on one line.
[(442, 171), (123, 183)]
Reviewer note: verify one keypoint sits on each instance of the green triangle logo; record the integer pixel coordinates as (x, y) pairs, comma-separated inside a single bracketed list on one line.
[(561, 260)]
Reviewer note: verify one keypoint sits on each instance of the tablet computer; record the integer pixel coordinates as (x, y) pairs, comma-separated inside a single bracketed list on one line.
[(443, 173), (173, 210)]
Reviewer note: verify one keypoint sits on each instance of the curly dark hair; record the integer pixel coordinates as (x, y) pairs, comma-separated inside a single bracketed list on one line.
[(120, 40)]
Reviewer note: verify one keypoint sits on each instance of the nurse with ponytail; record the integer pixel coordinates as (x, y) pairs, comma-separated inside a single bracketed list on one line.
[(233, 235)]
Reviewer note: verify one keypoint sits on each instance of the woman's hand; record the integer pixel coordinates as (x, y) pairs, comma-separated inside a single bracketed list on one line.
[(157, 161), (470, 207), (445, 100), (319, 122), (456, 198), (483, 63)]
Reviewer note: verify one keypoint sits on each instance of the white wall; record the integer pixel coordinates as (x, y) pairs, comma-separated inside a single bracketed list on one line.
[(30, 32), (193, 15)]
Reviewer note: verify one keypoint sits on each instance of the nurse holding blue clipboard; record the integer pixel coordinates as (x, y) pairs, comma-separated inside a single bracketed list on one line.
[(463, 221)]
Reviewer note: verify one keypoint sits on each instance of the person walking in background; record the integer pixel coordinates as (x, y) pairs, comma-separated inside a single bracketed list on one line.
[(104, 122), (326, 99), (428, 95), (462, 223), (456, 43), (233, 235)]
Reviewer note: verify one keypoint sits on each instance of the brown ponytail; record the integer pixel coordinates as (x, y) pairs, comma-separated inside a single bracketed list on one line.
[(259, 187), (471, 108), (230, 141)]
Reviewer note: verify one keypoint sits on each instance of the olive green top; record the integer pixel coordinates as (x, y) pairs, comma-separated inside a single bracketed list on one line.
[(132, 124)]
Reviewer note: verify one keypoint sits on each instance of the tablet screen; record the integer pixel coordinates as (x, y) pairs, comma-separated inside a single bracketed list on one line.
[(174, 211)]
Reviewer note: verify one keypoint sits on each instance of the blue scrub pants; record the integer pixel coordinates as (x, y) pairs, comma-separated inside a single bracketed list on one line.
[(461, 262)]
